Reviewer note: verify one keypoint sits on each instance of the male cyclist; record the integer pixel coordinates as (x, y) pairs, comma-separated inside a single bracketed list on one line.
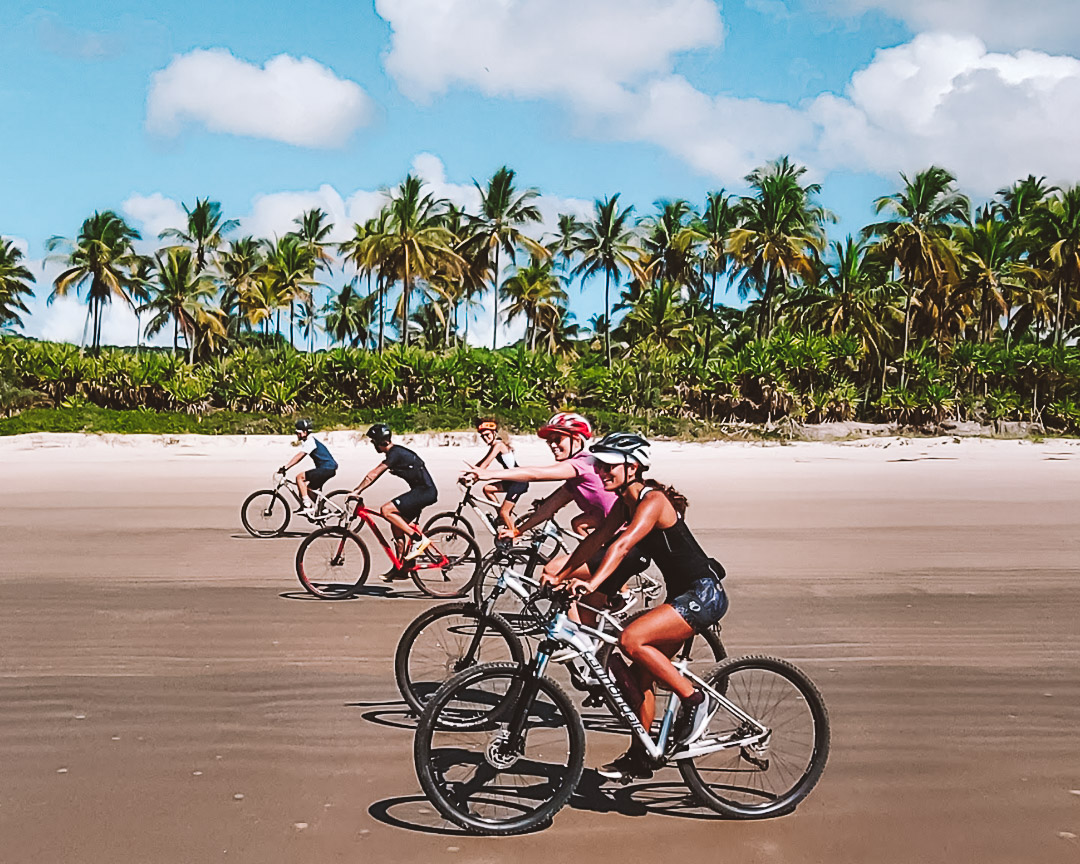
[(314, 478), (405, 508)]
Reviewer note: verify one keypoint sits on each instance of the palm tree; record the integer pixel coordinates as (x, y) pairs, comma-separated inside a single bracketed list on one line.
[(780, 230), (990, 252), (916, 239), (497, 228), (657, 323), (347, 316), (669, 246), (1055, 227), (537, 293), (183, 295), (243, 298), (290, 269), (415, 242), (205, 230), (605, 244), (14, 283), (103, 256), (854, 296), (711, 233), (563, 244)]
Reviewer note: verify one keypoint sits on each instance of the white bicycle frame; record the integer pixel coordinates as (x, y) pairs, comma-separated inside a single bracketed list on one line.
[(585, 641), (324, 507)]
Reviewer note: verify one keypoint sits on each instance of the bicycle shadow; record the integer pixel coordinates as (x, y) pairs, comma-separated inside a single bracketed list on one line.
[(385, 592), (415, 812), (396, 714)]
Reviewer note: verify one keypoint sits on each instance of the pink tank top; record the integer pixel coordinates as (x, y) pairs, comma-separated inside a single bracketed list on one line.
[(587, 490)]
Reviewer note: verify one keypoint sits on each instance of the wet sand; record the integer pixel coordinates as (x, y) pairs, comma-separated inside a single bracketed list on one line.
[(169, 694)]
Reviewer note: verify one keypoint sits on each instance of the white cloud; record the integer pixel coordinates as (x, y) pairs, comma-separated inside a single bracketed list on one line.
[(297, 101), (1052, 25), (940, 99), (154, 213), (586, 52)]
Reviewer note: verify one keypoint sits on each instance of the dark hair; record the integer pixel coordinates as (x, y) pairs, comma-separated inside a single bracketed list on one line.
[(677, 499)]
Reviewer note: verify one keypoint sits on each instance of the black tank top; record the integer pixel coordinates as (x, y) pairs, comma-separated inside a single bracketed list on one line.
[(677, 553)]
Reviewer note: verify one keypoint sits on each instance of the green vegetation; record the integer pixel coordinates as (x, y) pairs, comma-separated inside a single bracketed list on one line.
[(935, 313)]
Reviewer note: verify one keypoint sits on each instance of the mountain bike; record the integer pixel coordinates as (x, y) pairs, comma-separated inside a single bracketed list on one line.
[(266, 513), (500, 747), (449, 638), (333, 562)]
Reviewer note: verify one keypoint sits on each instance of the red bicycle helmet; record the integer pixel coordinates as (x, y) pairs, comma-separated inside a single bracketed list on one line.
[(566, 423)]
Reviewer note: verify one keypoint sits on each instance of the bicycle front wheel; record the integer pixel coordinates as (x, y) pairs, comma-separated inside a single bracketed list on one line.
[(449, 565), (332, 563), (525, 622), (771, 776), (445, 640), (476, 772), (265, 513)]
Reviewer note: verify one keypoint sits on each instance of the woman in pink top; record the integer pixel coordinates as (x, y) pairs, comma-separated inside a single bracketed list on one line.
[(566, 434)]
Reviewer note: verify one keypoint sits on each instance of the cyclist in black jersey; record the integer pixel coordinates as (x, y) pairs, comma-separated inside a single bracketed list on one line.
[(405, 508), (653, 516)]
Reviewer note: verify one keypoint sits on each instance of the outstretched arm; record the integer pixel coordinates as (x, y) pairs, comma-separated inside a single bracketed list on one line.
[(369, 478), (525, 474), (546, 509)]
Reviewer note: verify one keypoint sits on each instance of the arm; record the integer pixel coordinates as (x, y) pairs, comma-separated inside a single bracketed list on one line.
[(558, 471), (369, 478), (493, 451), (594, 543), (649, 512), (547, 508), (296, 458)]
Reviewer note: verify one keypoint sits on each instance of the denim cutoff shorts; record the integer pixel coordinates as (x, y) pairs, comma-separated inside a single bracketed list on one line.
[(703, 604)]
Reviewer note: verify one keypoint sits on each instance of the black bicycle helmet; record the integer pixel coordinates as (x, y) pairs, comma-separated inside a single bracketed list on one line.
[(379, 433), (617, 448), (303, 425)]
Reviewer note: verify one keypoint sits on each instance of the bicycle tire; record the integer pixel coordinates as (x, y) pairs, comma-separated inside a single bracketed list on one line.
[(554, 756), (454, 579), (733, 781), (338, 498), (453, 519), (422, 666), (513, 609), (269, 519), (328, 567)]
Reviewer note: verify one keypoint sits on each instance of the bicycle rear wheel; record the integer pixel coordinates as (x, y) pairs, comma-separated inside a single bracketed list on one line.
[(470, 769), (332, 563), (265, 513), (445, 640), (771, 777), (447, 568)]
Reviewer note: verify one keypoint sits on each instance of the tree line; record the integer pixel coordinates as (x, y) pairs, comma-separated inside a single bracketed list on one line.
[(937, 309)]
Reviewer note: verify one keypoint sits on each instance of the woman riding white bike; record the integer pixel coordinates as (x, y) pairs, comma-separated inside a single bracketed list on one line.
[(653, 516)]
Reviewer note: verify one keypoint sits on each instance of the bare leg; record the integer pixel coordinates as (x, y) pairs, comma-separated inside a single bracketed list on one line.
[(645, 639), (398, 525), (490, 490), (583, 524), (301, 484), (506, 513), (581, 616)]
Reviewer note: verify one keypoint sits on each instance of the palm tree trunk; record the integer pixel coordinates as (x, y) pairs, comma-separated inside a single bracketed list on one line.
[(405, 302), (709, 319), (380, 285), (495, 323), (907, 331), (607, 317)]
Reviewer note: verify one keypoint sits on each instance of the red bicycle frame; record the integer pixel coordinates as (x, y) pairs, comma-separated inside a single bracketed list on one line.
[(366, 516)]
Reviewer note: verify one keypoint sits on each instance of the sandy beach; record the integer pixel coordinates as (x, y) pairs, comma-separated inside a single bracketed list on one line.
[(168, 693)]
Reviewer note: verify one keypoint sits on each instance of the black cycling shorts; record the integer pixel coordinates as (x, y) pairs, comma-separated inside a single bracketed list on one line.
[(316, 477), (409, 504), (512, 489), (635, 562)]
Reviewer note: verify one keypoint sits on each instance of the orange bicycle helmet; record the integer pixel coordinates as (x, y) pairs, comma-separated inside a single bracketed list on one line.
[(566, 423), (487, 426)]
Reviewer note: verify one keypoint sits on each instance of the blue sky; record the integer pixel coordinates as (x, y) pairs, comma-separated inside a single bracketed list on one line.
[(136, 108)]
